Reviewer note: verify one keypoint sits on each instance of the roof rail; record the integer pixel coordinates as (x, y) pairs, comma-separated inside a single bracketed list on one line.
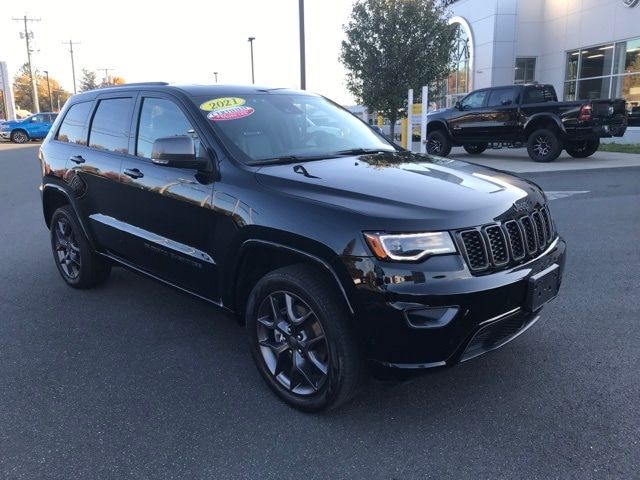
[(141, 84)]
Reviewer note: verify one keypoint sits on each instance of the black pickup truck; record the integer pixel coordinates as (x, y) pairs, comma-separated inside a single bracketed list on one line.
[(525, 115)]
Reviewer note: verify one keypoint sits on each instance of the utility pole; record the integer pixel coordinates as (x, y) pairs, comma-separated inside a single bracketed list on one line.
[(216, 75), (46, 72), (27, 36), (251, 39), (106, 75), (303, 73), (73, 67)]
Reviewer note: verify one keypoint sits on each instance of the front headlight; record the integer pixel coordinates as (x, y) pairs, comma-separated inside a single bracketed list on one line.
[(409, 246)]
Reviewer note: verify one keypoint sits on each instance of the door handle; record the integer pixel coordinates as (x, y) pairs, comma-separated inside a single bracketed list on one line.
[(133, 173), (77, 159), (457, 127)]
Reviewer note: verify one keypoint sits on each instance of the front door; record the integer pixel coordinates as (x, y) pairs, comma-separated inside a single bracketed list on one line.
[(166, 211), (39, 125), (466, 123)]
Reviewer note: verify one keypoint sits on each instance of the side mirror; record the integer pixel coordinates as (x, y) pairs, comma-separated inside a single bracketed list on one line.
[(458, 106), (179, 151)]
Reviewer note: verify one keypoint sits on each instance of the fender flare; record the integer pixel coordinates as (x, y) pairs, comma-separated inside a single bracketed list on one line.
[(72, 203), (545, 116), (445, 126), (314, 258)]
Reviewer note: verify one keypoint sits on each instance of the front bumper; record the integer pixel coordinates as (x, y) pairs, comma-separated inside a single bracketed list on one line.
[(6, 135), (475, 313)]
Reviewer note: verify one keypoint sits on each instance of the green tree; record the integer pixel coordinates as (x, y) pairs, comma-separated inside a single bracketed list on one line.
[(24, 97), (88, 81), (394, 45)]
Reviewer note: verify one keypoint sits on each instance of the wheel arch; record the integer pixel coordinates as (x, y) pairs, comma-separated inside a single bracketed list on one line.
[(257, 257), (438, 125), (19, 129), (53, 197), (543, 120)]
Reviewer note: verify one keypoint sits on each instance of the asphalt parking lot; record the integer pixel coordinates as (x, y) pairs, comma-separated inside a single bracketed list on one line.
[(136, 380)]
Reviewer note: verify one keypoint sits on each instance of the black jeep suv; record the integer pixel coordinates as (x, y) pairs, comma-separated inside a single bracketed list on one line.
[(336, 248)]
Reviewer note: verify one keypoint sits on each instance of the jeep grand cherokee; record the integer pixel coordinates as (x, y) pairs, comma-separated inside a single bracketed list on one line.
[(336, 248)]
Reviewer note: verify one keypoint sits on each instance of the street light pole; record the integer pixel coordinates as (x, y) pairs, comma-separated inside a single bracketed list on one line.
[(46, 72), (303, 74), (216, 75), (251, 39)]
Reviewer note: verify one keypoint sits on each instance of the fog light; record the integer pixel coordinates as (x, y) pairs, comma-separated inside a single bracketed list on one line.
[(431, 317)]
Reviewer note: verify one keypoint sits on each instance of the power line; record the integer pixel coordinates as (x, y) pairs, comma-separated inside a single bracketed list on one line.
[(27, 36), (71, 43)]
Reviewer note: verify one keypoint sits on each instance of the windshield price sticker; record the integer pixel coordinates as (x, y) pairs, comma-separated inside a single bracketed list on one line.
[(217, 104)]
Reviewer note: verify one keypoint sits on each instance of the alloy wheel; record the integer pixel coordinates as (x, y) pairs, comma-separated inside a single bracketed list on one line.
[(542, 146), (20, 137), (67, 248), (292, 343), (434, 146)]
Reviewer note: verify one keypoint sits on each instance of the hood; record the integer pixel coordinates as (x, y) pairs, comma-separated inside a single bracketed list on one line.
[(11, 123), (397, 189)]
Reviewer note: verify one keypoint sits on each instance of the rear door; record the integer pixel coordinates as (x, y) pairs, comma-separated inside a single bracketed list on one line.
[(466, 123), (500, 114), (166, 211), (97, 166)]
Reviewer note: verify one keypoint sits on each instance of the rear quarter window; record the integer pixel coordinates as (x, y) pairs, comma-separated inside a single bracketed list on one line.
[(72, 127)]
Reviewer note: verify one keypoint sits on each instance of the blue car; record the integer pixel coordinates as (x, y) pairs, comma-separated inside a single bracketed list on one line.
[(31, 128)]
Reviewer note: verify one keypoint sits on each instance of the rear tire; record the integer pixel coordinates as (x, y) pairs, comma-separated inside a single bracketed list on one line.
[(582, 149), (19, 136), (301, 338), (544, 145), (78, 265), (438, 143), (475, 148)]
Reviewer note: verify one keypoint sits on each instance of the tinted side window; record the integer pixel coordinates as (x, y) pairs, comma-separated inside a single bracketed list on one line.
[(474, 100), (538, 95), (110, 125), (72, 127), (37, 118), (160, 118), (501, 97)]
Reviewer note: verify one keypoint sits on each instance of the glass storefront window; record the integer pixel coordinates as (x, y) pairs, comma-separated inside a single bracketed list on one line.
[(628, 57), (596, 61), (525, 70), (572, 65), (604, 71), (569, 91), (593, 88)]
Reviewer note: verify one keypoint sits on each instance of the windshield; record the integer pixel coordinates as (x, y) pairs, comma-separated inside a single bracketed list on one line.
[(262, 127)]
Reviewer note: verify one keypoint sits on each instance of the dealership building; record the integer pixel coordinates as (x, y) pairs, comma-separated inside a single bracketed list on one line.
[(587, 49)]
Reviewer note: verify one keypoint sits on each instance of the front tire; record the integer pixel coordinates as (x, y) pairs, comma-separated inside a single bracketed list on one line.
[(19, 136), (300, 336), (438, 143), (544, 145), (582, 149), (78, 265), (475, 148)]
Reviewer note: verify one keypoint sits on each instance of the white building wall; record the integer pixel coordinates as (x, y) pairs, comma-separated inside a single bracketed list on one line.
[(545, 29)]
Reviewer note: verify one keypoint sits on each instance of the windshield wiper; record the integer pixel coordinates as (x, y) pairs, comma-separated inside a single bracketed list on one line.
[(362, 151), (289, 159)]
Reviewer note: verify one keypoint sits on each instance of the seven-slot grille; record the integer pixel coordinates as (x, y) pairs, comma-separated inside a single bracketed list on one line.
[(497, 246)]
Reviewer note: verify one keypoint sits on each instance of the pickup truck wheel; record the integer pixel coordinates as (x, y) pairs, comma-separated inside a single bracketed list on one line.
[(438, 143), (78, 265), (582, 149), (544, 146), (19, 136), (300, 338), (475, 148)]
